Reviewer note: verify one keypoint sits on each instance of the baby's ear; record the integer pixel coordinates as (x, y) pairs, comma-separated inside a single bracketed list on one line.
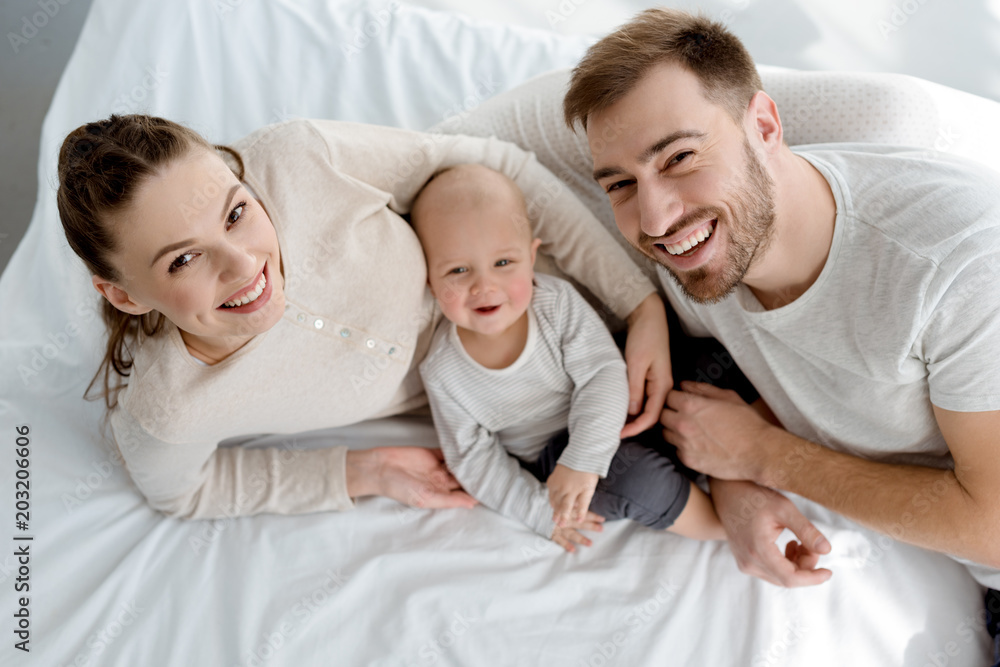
[(534, 249)]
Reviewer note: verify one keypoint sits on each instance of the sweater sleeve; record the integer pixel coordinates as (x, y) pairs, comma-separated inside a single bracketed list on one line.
[(205, 481), (399, 163), (484, 468), (599, 404)]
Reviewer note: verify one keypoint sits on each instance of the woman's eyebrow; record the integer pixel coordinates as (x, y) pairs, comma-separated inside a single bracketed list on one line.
[(229, 200), (166, 249), (181, 244)]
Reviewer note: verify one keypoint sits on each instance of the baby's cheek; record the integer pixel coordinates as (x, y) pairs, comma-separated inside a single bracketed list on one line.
[(521, 291)]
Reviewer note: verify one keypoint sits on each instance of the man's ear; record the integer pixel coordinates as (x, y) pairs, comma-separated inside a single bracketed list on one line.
[(764, 122), (534, 249), (118, 297)]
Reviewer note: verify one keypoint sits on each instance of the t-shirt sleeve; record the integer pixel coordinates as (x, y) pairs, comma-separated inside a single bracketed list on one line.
[(599, 403), (399, 163), (961, 340), (483, 467), (204, 481)]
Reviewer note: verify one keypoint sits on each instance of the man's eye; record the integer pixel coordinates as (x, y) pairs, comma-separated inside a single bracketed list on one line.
[(618, 185), (679, 157), (180, 262), (502, 262)]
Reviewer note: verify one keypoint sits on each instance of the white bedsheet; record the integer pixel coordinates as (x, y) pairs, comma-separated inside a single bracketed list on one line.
[(115, 583)]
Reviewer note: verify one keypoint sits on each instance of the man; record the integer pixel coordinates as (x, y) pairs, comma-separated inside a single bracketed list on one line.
[(854, 284)]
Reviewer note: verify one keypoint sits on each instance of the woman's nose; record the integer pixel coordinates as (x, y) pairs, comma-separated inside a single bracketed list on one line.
[(237, 265)]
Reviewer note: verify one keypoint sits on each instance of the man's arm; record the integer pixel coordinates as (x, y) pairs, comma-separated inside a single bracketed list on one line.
[(942, 510)]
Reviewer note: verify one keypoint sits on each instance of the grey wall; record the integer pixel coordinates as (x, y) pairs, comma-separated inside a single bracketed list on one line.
[(29, 73)]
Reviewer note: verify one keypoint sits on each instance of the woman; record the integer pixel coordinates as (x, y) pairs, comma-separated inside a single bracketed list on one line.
[(284, 292)]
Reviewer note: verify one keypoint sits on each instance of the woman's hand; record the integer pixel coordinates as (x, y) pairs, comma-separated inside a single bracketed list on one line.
[(414, 476), (647, 356)]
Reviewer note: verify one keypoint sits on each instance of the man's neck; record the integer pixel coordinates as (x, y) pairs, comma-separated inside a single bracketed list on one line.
[(805, 211)]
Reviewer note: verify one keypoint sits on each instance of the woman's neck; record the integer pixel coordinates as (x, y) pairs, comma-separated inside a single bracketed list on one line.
[(212, 350)]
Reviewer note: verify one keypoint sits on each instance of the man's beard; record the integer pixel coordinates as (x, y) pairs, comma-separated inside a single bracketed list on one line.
[(749, 229)]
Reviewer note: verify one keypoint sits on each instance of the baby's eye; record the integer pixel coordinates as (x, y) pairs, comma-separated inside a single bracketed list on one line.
[(458, 269), (180, 262), (502, 262)]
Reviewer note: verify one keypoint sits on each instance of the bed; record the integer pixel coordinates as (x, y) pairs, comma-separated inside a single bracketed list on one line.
[(113, 582)]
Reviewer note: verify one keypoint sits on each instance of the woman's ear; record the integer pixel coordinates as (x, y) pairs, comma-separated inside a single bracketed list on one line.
[(118, 297)]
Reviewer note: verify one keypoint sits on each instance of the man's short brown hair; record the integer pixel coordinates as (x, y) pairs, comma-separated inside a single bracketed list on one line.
[(614, 65)]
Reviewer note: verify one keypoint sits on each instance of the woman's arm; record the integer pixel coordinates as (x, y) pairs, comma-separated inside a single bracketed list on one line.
[(399, 163), (204, 481)]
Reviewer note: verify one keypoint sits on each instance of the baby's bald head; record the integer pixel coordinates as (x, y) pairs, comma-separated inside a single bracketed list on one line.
[(469, 189)]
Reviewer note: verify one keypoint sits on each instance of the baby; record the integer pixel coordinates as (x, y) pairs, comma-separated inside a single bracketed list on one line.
[(528, 390)]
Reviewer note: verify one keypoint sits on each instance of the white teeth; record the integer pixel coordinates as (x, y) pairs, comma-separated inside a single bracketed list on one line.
[(689, 242), (249, 296)]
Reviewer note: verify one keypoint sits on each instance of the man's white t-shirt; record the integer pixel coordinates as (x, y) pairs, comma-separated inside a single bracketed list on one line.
[(905, 313)]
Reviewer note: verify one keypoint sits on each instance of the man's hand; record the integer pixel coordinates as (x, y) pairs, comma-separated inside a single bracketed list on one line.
[(414, 476), (570, 492), (647, 356), (567, 536), (753, 517), (715, 431)]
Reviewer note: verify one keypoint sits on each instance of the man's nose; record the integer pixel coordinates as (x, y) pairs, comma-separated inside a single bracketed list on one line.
[(659, 209)]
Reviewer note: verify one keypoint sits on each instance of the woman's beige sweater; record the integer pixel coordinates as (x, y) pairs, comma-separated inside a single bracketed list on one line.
[(358, 321)]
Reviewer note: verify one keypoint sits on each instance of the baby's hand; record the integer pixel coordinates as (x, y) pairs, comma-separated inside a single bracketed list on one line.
[(570, 492), (567, 536)]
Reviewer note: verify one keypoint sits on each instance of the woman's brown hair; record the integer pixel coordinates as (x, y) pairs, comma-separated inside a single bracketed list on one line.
[(101, 165), (615, 64)]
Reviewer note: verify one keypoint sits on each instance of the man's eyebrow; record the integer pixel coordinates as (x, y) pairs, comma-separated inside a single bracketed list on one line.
[(181, 244), (651, 152)]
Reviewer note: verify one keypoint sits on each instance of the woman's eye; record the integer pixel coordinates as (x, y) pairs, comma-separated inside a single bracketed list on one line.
[(502, 262), (236, 213), (180, 262)]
